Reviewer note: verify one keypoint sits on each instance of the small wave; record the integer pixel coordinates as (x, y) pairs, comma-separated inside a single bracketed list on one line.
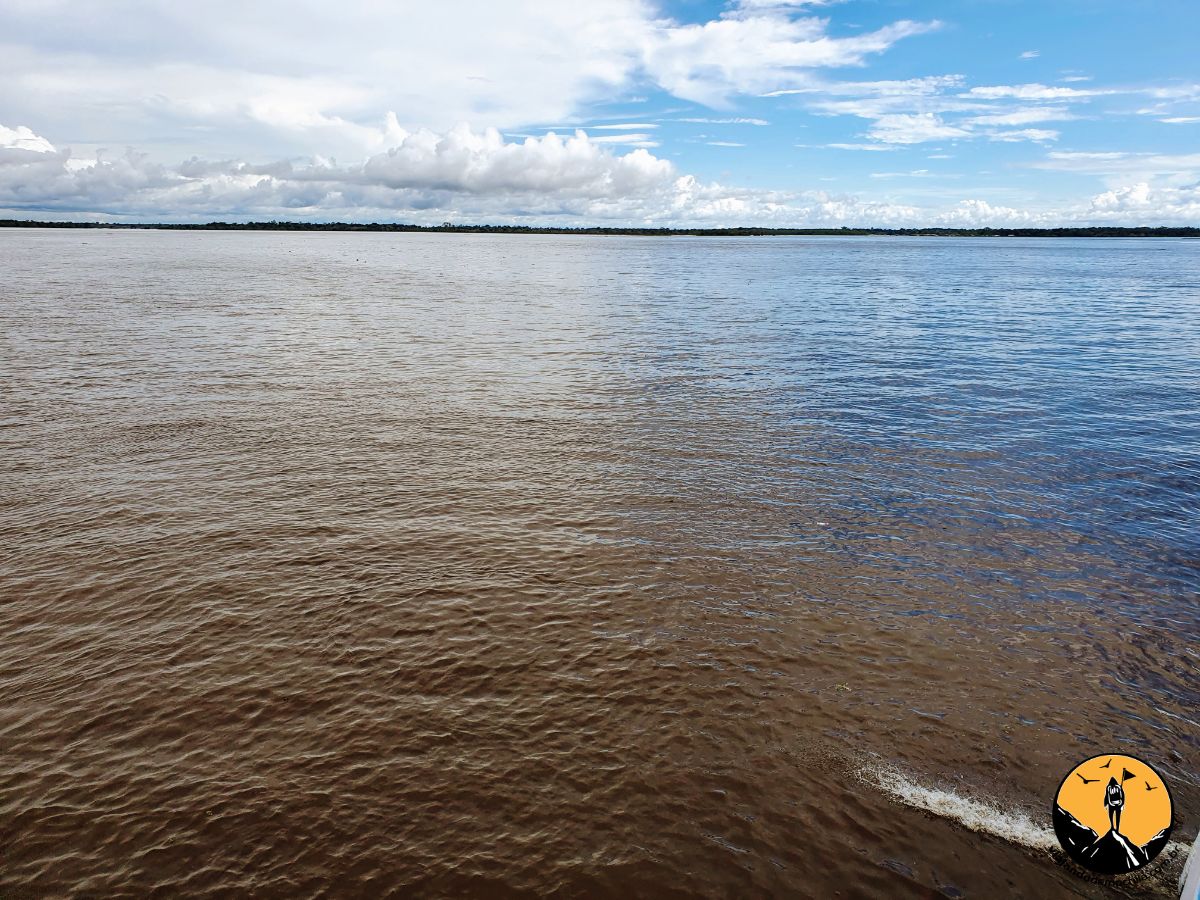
[(989, 817), (985, 817)]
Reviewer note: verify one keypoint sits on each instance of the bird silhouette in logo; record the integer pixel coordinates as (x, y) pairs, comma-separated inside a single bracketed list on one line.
[(1150, 788), (1107, 764), (1086, 780)]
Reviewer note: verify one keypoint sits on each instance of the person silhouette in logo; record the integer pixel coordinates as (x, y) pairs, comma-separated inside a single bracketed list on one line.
[(1114, 800)]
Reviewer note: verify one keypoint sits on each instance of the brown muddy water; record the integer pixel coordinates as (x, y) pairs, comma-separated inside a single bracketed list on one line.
[(439, 565)]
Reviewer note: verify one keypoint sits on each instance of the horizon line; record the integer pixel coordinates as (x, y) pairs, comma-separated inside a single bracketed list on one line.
[(1184, 231)]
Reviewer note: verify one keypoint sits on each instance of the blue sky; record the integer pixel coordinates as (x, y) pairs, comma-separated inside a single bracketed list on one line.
[(1076, 44), (774, 112)]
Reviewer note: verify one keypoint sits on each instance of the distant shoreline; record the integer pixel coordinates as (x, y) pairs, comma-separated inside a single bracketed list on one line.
[(389, 228)]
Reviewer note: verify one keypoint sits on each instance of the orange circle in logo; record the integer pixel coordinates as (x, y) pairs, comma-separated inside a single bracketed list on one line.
[(1112, 814)]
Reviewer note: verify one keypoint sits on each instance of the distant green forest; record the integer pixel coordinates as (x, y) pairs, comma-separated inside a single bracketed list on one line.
[(449, 227)]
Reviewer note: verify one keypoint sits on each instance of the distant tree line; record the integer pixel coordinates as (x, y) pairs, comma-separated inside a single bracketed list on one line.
[(1092, 231)]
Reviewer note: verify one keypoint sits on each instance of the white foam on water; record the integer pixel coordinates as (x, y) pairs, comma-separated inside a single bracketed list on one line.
[(984, 817)]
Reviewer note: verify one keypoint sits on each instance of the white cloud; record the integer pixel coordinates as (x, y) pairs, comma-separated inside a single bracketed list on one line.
[(1088, 154), (427, 177), (903, 91), (975, 213), (301, 76), (1024, 116), (1135, 196), (628, 140), (1142, 203), (758, 54), (913, 129), (919, 110), (870, 147), (458, 162), (1175, 92), (1180, 120), (466, 161), (744, 8), (465, 175), (1040, 135), (724, 144), (730, 121), (624, 127), (937, 108), (22, 138), (1119, 167), (1029, 92), (741, 6), (296, 77), (1031, 54)]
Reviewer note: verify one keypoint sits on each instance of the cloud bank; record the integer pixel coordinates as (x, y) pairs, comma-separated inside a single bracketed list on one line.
[(479, 176)]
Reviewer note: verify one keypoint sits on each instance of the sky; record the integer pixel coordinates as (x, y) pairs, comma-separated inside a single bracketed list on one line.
[(784, 113)]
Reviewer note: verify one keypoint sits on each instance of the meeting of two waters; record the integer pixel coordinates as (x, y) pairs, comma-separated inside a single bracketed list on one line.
[(447, 565)]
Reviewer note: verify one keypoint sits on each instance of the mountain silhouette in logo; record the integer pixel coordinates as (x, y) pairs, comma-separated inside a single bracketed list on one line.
[(1111, 853)]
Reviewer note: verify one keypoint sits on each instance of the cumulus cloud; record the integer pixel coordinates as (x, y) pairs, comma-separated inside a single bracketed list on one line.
[(296, 77), (1143, 204), (1135, 196), (424, 176), (49, 179), (971, 213), (462, 160), (22, 138), (467, 175)]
